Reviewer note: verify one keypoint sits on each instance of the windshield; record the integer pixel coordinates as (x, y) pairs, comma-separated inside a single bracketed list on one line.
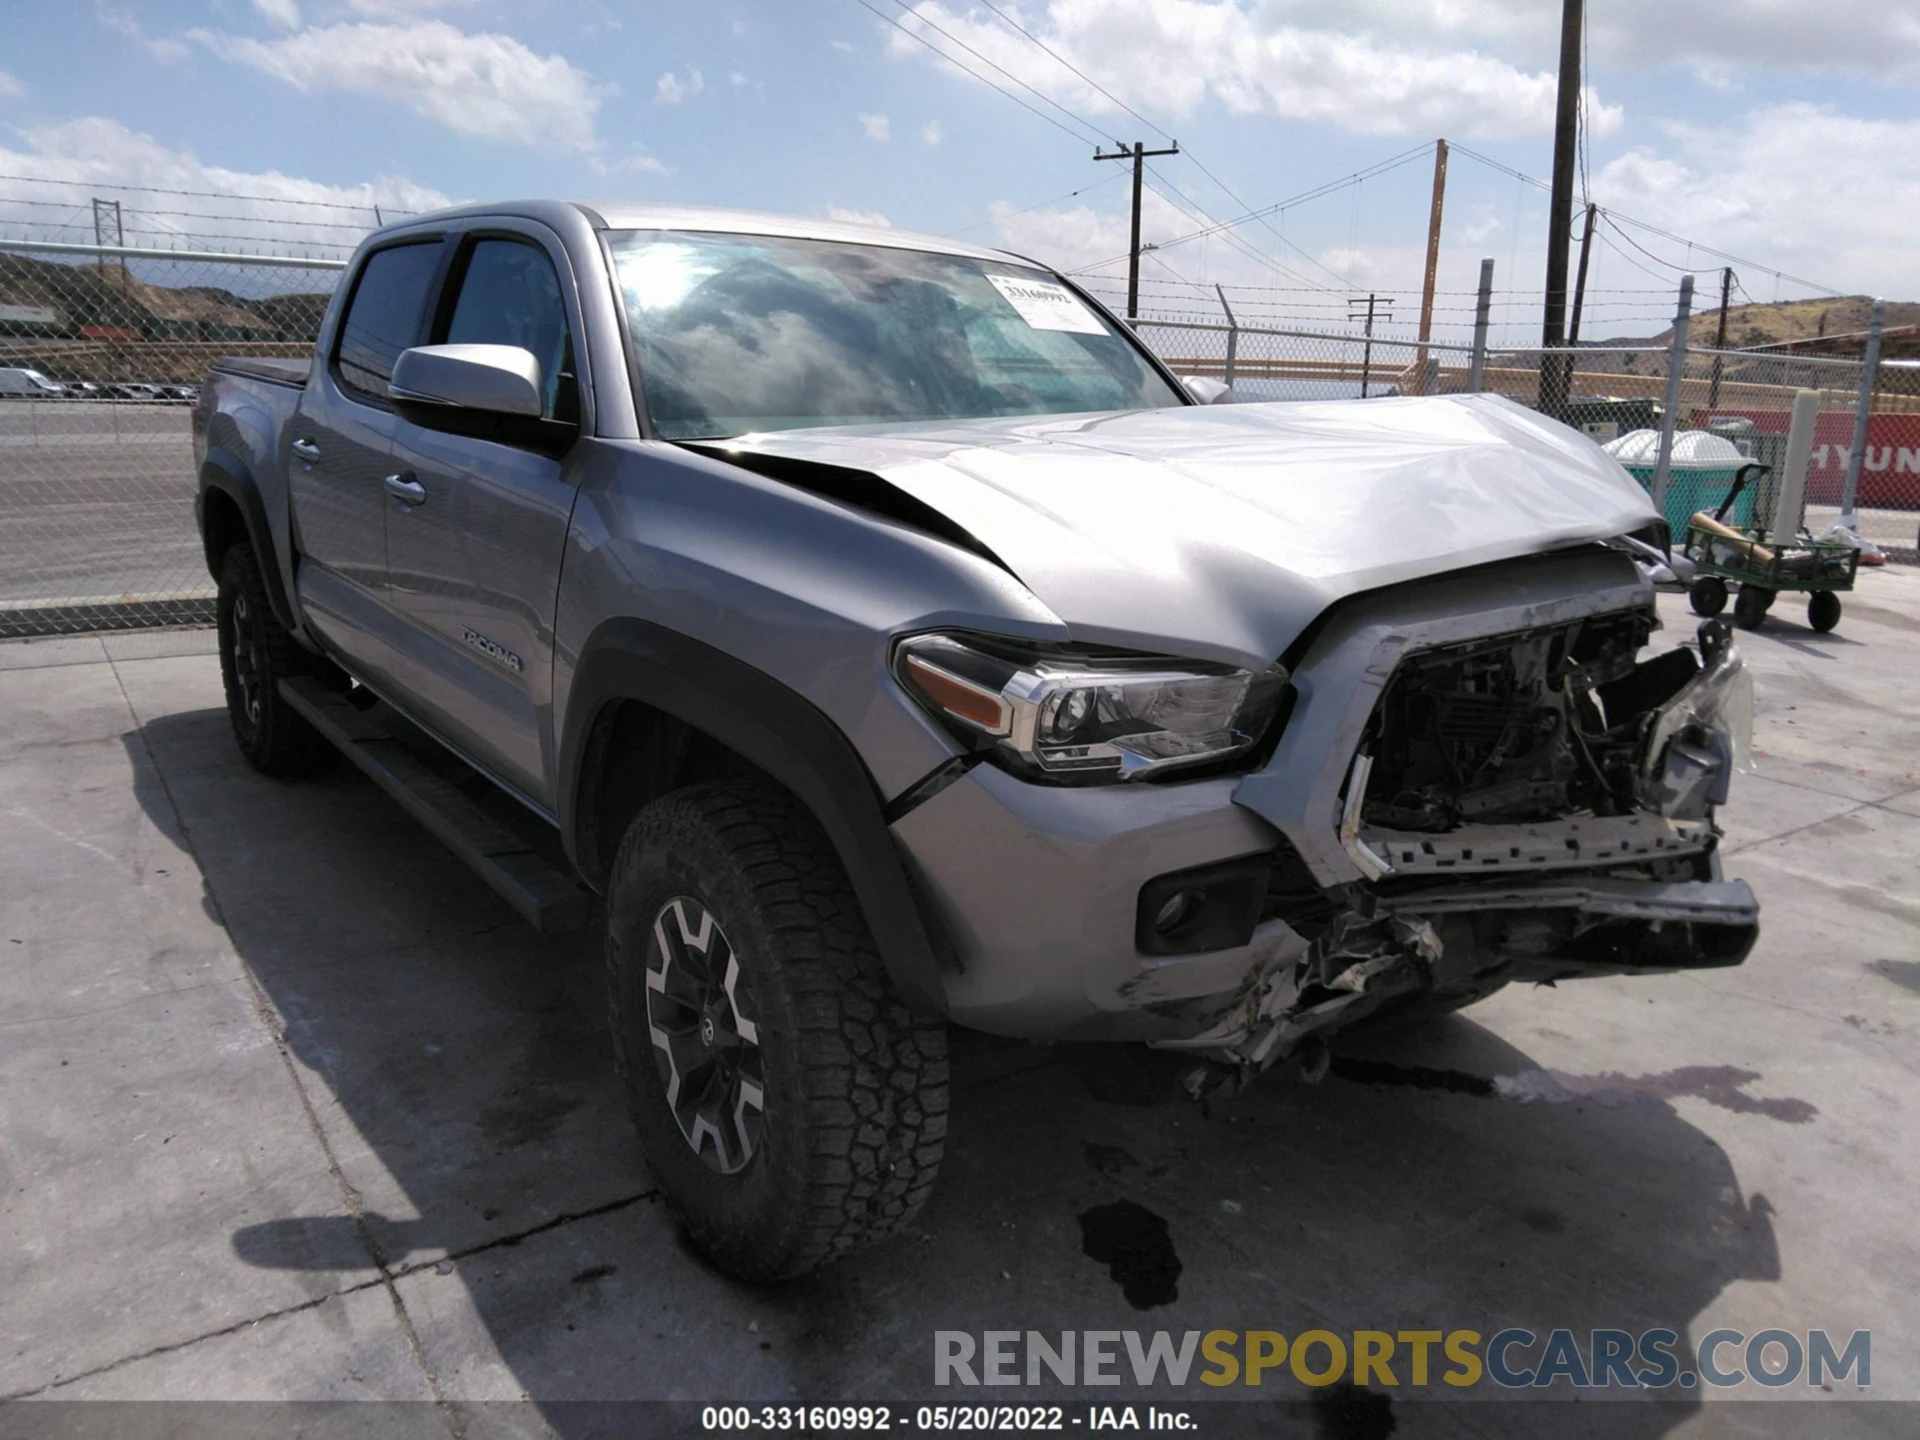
[(744, 333)]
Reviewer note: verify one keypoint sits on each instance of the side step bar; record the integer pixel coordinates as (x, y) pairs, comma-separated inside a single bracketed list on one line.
[(554, 903)]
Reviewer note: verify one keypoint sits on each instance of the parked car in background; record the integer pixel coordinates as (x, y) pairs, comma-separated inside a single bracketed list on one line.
[(894, 641), (18, 383)]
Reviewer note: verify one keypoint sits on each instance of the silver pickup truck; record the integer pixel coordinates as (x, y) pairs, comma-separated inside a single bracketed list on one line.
[(893, 641)]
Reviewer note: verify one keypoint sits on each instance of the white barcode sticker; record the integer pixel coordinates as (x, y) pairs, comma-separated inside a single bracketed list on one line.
[(1047, 306)]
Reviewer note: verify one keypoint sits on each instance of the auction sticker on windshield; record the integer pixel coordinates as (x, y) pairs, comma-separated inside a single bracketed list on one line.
[(1047, 306)]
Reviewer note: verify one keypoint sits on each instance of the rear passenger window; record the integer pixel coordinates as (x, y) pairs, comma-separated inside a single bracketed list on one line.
[(510, 295), (383, 318)]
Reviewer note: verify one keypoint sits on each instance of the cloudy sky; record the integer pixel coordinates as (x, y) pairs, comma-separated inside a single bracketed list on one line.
[(1786, 134)]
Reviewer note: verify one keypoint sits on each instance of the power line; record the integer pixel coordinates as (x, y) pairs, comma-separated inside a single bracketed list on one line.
[(1622, 219), (972, 74), (949, 234), (1078, 71), (197, 194), (1038, 95)]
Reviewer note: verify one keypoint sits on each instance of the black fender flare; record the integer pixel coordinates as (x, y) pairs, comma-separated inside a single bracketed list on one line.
[(785, 735), (224, 471)]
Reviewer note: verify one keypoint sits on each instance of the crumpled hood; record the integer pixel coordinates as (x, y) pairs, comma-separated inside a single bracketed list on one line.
[(1222, 531)]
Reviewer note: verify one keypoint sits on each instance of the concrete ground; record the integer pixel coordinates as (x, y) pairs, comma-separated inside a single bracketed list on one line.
[(291, 1107)]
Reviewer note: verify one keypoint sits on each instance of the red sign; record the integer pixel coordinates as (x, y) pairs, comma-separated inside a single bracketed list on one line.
[(1889, 470)]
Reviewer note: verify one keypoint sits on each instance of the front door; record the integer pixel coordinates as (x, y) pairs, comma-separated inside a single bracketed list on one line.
[(474, 561), (337, 461)]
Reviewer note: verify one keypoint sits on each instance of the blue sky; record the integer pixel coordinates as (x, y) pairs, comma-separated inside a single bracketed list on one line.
[(1787, 134)]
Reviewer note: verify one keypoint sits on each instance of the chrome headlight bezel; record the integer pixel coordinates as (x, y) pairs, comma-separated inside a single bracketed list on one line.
[(1083, 715)]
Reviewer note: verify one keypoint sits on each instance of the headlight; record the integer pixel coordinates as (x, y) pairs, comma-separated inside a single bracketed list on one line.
[(1092, 717)]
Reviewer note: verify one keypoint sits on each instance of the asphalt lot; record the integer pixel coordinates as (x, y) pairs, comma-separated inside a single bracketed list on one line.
[(291, 1107), (96, 503)]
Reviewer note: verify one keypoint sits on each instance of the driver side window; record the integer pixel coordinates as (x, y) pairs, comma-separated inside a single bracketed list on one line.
[(509, 295)]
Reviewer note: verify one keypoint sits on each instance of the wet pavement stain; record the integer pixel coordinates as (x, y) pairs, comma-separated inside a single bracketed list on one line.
[(1417, 1077), (1904, 973), (1135, 1246), (1720, 1085), (1109, 1159), (1353, 1412)]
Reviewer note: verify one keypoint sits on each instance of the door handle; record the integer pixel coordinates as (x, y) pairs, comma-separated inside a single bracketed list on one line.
[(306, 450), (406, 489)]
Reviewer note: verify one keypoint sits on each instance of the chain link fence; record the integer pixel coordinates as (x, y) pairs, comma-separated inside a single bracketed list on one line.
[(102, 349), (101, 354)]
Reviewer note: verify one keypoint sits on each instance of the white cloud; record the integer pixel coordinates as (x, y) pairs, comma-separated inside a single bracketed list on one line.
[(876, 127), (1818, 193), (858, 217), (401, 9), (843, 45), (122, 20), (1873, 36), (258, 210), (1168, 56), (931, 133), (671, 89), (10, 86), (486, 85), (280, 12), (633, 164), (741, 80)]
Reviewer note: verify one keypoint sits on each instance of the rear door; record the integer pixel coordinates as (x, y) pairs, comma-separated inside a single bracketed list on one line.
[(474, 565), (339, 443)]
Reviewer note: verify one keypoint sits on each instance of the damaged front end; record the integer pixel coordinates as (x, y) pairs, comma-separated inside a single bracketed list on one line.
[(1533, 806)]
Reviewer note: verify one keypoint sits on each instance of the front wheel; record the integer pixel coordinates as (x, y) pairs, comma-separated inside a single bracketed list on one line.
[(1823, 610), (790, 1106), (256, 653)]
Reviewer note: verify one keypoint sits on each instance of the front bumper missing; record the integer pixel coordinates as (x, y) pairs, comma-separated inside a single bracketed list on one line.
[(1437, 940)]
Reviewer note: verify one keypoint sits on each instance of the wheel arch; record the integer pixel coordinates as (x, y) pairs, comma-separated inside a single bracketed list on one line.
[(231, 510), (651, 710)]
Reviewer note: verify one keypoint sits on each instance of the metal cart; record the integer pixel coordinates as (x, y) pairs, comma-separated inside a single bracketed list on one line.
[(1764, 566)]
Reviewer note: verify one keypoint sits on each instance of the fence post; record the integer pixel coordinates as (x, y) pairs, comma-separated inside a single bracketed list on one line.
[(1676, 366), (1483, 310), (1869, 382), (1233, 335)]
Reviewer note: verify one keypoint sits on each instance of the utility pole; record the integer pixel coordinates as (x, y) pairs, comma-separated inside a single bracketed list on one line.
[(1433, 257), (1579, 303), (1720, 337), (1366, 354), (1566, 131), (1580, 277), (1139, 154)]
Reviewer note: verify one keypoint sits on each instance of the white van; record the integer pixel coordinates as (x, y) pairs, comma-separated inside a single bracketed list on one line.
[(18, 384)]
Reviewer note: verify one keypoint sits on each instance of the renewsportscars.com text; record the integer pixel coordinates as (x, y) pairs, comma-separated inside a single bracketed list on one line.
[(1514, 1359)]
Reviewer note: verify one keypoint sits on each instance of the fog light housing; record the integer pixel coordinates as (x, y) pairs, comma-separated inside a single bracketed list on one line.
[(1210, 907)]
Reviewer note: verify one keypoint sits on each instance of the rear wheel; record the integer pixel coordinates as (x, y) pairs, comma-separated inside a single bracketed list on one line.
[(1823, 610), (790, 1106), (1750, 608), (256, 653), (1708, 595)]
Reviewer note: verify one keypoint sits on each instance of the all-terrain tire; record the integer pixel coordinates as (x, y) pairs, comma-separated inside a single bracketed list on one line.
[(853, 1086), (256, 653)]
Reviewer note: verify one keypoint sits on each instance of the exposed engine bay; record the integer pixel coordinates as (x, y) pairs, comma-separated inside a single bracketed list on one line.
[(1530, 806), (1526, 727)]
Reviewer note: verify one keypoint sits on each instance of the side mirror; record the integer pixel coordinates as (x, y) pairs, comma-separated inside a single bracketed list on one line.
[(1207, 391), (493, 379)]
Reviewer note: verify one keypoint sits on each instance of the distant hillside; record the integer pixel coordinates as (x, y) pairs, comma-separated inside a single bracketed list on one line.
[(1751, 325)]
